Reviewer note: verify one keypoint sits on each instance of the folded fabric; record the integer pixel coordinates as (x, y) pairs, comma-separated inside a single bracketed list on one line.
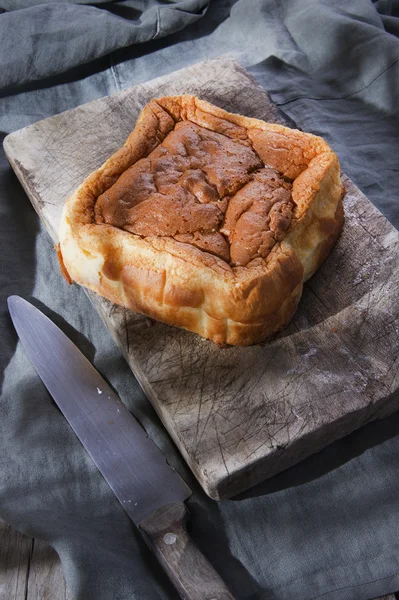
[(74, 34)]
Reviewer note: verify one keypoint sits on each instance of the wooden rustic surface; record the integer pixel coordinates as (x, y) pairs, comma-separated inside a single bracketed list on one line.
[(240, 415), (191, 573), (31, 570)]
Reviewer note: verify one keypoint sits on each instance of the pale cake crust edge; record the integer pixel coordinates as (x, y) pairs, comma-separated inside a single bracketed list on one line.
[(182, 286)]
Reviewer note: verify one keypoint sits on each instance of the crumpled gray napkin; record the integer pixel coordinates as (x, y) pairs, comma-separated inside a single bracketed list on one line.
[(76, 33)]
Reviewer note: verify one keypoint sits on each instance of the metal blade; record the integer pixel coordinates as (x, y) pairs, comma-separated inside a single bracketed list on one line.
[(131, 463)]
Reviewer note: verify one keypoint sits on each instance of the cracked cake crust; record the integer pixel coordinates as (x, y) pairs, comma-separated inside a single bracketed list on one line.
[(205, 220)]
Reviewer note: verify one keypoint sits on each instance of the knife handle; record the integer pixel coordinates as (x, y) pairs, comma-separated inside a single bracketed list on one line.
[(192, 575)]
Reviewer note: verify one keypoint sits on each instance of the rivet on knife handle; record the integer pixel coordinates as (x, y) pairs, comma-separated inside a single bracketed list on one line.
[(193, 576)]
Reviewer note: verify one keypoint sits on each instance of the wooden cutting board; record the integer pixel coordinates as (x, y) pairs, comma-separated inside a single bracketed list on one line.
[(240, 415)]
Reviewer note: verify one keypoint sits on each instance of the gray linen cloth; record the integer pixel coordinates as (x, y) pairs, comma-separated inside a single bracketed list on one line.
[(327, 528)]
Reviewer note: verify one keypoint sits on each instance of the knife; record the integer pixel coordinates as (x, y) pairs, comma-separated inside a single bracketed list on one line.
[(149, 489)]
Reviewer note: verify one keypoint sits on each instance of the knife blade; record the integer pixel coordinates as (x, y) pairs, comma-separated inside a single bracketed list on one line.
[(149, 489)]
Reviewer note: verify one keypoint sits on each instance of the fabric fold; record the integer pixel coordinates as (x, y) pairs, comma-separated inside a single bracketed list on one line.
[(75, 34)]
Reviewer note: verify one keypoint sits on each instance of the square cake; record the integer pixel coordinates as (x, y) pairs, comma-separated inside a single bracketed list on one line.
[(205, 220)]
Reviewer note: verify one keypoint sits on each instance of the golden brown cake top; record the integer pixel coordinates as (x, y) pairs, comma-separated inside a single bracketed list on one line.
[(205, 219), (206, 189)]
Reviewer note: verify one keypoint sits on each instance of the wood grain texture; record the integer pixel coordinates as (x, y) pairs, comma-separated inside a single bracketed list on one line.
[(15, 555), (240, 415), (46, 580), (192, 575), (29, 568)]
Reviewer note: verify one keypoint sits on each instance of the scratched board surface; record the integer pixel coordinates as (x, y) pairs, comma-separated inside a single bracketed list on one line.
[(240, 415)]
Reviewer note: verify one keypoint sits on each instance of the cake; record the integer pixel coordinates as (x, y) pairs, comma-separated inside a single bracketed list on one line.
[(205, 220)]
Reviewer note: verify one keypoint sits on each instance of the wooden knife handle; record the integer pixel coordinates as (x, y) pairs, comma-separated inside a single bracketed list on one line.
[(193, 576)]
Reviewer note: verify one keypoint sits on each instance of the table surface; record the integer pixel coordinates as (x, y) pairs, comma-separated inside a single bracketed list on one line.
[(31, 570)]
